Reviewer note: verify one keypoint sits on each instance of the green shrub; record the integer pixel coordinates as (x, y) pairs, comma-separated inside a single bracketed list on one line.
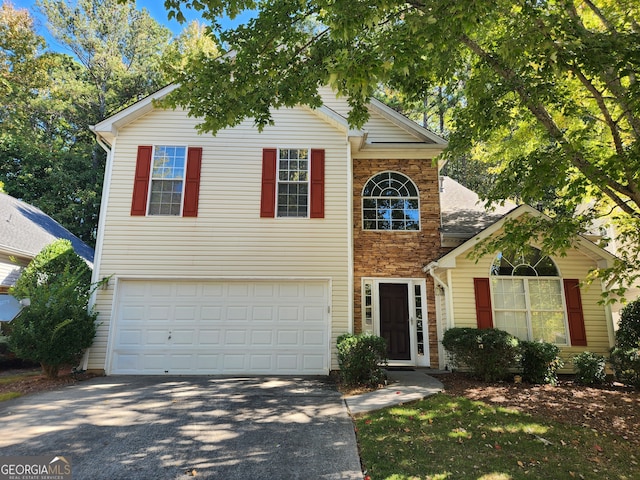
[(540, 362), (487, 353), (57, 327), (626, 365), (362, 359), (4, 345), (625, 355), (589, 368), (628, 333)]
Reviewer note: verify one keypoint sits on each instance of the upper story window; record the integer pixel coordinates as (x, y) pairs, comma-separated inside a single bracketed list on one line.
[(390, 201), (167, 180), (293, 182), (528, 296)]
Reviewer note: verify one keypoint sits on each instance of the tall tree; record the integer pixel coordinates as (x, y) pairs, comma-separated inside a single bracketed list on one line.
[(48, 156), (119, 47), (550, 88)]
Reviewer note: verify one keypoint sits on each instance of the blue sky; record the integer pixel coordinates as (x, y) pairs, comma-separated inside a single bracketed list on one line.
[(155, 8)]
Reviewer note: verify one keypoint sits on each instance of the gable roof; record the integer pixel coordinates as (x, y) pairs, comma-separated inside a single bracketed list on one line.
[(463, 213), (25, 230), (590, 249), (426, 144)]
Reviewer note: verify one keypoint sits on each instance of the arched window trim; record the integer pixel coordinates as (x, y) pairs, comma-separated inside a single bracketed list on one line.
[(373, 202), (520, 261)]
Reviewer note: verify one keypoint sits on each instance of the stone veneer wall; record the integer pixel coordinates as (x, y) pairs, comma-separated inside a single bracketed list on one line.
[(398, 254)]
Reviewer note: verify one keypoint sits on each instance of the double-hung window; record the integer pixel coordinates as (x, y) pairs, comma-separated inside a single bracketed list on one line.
[(528, 297), (167, 180), (293, 182)]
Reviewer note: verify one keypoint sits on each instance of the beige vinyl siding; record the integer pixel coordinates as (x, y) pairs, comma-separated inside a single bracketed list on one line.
[(227, 239), (575, 265), (378, 128)]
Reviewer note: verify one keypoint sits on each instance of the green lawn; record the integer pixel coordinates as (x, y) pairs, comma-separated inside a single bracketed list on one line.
[(445, 437)]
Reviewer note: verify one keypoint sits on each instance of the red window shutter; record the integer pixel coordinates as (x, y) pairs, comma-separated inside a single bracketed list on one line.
[(484, 313), (268, 196), (141, 181), (192, 182), (317, 184), (575, 315)]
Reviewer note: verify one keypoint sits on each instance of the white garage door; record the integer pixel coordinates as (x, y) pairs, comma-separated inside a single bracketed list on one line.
[(221, 327)]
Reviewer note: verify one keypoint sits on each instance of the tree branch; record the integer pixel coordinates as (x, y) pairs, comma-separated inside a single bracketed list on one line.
[(598, 178), (597, 96)]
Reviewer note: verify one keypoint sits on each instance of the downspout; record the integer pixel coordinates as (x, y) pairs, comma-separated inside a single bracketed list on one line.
[(350, 246), (439, 327), (95, 275), (608, 313)]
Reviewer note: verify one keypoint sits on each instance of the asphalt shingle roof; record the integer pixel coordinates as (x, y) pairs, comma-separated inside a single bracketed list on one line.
[(463, 213), (28, 229)]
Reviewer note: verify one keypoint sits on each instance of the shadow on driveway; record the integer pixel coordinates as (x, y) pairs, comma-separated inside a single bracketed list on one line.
[(130, 427)]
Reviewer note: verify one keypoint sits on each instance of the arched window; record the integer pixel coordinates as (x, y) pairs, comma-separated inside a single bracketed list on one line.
[(528, 298), (390, 201)]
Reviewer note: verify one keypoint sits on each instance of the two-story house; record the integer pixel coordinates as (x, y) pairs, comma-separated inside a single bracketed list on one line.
[(250, 252)]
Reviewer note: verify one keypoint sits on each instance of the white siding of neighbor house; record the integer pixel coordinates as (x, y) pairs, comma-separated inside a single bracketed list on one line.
[(227, 239), (575, 265), (10, 269)]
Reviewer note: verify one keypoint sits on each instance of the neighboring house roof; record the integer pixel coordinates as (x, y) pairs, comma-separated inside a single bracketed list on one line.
[(25, 230), (463, 213)]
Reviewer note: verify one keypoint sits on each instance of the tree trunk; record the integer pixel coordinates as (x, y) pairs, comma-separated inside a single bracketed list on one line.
[(51, 371)]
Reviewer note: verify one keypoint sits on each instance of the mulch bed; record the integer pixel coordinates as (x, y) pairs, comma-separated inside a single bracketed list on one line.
[(610, 409)]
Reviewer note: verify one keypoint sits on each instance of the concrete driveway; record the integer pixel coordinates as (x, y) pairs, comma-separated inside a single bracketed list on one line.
[(129, 427)]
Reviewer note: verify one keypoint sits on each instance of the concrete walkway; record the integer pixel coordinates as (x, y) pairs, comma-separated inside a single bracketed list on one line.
[(404, 386)]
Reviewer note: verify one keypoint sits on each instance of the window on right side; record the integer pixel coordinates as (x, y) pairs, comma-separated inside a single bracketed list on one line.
[(528, 298)]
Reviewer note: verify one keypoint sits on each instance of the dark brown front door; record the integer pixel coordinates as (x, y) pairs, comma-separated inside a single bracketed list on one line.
[(394, 320)]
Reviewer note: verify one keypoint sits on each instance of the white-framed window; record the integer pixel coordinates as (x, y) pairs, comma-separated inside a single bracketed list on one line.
[(528, 297), (390, 201), (167, 180), (293, 182), (367, 304)]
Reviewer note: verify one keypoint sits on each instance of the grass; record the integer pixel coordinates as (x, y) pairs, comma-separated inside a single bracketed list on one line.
[(16, 378), (445, 437), (9, 395), (9, 379)]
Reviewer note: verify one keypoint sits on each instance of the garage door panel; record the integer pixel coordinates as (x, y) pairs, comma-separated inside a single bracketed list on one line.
[(314, 338), (158, 312), (184, 313), (216, 327), (209, 337), (211, 313), (262, 337)]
